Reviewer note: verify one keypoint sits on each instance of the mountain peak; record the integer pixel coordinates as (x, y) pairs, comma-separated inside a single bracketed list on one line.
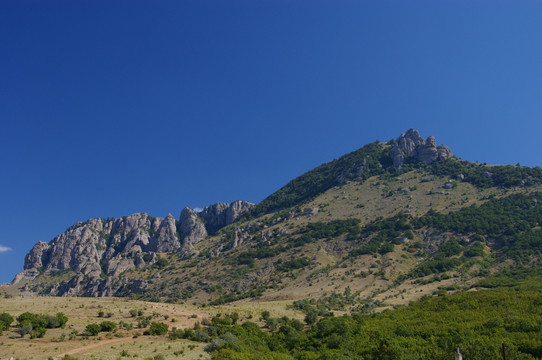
[(411, 145)]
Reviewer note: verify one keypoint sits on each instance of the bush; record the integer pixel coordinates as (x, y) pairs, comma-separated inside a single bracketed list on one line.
[(6, 318), (176, 334), (68, 357), (35, 324), (93, 329), (37, 332), (108, 326), (161, 263), (158, 328), (143, 322)]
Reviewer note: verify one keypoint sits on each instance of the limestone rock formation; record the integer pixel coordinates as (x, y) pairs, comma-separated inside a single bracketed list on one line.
[(191, 228), (218, 215), (412, 145), (37, 256), (99, 251), (214, 216), (167, 238)]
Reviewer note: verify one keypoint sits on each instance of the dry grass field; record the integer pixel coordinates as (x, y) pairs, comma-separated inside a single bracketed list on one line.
[(123, 344)]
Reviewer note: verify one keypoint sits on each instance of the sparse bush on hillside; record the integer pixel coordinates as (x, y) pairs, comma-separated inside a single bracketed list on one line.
[(69, 357), (161, 263), (108, 326), (93, 329), (294, 264), (158, 328)]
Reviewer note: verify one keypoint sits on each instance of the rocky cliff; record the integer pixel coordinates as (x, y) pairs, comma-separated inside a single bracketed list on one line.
[(99, 251)]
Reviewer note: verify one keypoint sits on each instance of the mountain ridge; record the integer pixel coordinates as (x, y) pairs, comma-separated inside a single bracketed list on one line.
[(99, 246), (317, 228)]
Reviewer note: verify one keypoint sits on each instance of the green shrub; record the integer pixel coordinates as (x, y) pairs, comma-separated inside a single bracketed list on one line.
[(161, 263), (6, 318), (108, 326), (158, 328), (93, 329)]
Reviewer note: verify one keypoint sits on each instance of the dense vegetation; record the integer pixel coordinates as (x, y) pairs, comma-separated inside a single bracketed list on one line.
[(32, 324), (479, 323), (511, 223), (509, 226), (483, 176)]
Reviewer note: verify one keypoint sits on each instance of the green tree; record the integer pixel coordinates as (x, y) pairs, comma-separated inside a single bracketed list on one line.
[(24, 329), (311, 317)]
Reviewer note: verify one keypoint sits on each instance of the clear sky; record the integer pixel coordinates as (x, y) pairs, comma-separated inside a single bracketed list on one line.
[(113, 107)]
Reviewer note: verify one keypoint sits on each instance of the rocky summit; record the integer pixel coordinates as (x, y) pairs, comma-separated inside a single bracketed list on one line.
[(412, 145)]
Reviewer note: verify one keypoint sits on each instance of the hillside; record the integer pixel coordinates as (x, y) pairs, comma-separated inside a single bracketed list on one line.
[(377, 228)]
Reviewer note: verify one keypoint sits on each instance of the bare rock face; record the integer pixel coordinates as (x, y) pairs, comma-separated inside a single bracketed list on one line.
[(239, 237), (235, 210), (37, 256), (191, 228), (411, 144), (409, 141), (218, 215), (166, 237), (214, 217), (428, 152), (444, 152)]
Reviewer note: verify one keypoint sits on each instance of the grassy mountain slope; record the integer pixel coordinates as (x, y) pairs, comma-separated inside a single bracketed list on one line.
[(370, 160)]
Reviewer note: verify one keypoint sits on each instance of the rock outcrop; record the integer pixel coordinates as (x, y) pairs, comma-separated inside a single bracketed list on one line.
[(37, 256), (99, 251), (218, 215), (191, 229), (412, 145), (168, 239)]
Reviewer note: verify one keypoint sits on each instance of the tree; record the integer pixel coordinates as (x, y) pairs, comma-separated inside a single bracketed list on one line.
[(311, 317), (24, 329)]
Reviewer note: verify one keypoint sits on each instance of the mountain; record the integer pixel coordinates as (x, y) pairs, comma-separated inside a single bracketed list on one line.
[(379, 227)]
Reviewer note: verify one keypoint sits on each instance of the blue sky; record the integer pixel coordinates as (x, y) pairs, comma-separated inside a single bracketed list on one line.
[(113, 107)]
